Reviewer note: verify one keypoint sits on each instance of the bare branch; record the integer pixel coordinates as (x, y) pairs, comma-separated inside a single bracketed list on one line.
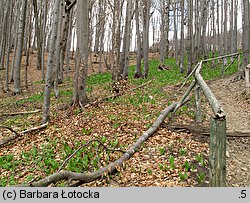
[(81, 147)]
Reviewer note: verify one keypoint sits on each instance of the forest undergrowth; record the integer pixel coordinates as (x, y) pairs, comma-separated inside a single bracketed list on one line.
[(106, 129)]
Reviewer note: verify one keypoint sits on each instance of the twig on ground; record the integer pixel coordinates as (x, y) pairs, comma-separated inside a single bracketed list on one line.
[(16, 134)]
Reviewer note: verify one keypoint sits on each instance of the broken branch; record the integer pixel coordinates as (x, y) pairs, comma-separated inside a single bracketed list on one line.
[(20, 113), (16, 134)]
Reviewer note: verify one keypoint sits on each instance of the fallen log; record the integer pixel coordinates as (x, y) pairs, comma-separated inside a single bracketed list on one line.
[(199, 129), (82, 178), (20, 113), (19, 134)]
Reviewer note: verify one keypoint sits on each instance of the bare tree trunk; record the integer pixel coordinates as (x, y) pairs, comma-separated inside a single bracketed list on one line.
[(102, 26), (15, 51), (204, 27), (167, 27), (17, 71), (126, 41), (44, 37), (116, 42), (182, 45), (48, 81), (138, 72), (175, 32), (235, 38), (245, 37), (38, 36), (82, 44), (218, 29), (146, 17), (3, 37), (9, 46), (163, 34), (214, 32), (225, 38), (190, 36), (69, 41)]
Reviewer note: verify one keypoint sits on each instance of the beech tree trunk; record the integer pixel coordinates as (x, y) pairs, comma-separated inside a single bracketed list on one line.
[(138, 72), (245, 37), (80, 96), (38, 36), (146, 17), (126, 41), (48, 81), (21, 28)]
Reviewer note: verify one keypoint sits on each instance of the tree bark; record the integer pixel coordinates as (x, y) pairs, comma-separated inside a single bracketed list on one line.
[(138, 72), (82, 44), (48, 81), (146, 17), (17, 71), (38, 36), (245, 35)]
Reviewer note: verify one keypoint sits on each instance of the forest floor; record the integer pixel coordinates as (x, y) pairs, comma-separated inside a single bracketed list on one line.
[(169, 158)]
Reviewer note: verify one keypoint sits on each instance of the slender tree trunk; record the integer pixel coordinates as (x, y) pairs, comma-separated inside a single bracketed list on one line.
[(146, 16), (38, 36), (175, 32), (182, 45), (138, 72), (48, 81), (235, 31), (9, 47), (116, 42), (126, 41), (245, 37), (190, 36), (69, 41), (44, 37), (102, 25), (82, 44), (225, 38), (17, 71), (204, 28)]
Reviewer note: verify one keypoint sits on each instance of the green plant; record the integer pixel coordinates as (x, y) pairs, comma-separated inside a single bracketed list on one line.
[(200, 159), (163, 167), (201, 177), (86, 131), (187, 166), (183, 176), (171, 161), (182, 151), (149, 171), (77, 111), (162, 150), (104, 139), (114, 143)]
